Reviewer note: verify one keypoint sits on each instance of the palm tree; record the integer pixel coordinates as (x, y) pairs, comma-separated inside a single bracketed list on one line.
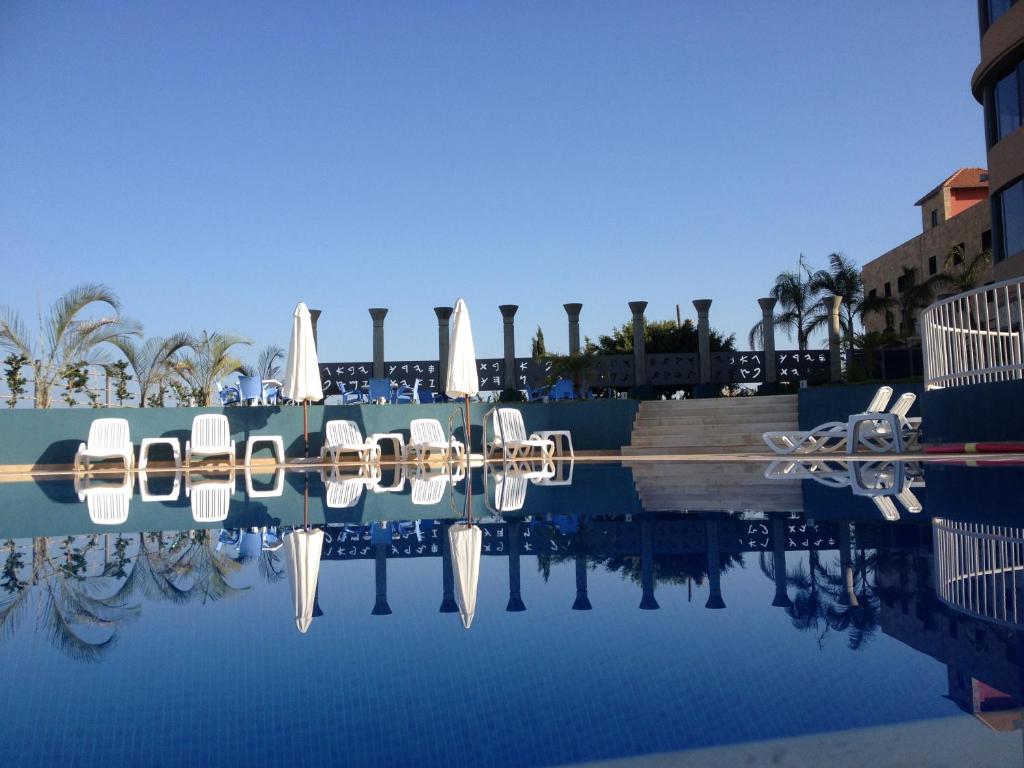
[(953, 280), (66, 338), (797, 297), (210, 360), (841, 279), (151, 360), (267, 363)]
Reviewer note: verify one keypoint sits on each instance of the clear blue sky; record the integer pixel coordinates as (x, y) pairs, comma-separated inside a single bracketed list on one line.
[(217, 162)]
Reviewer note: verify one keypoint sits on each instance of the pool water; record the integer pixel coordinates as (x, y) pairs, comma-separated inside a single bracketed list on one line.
[(602, 630)]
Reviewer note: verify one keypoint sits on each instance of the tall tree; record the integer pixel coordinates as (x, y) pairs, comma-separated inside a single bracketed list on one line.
[(660, 336), (797, 298), (842, 279), (65, 336), (151, 361), (210, 360), (537, 347)]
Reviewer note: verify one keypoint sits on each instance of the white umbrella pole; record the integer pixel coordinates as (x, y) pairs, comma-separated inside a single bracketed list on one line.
[(305, 427)]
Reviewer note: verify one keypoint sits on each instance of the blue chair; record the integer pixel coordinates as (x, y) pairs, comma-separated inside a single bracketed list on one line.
[(227, 395), (347, 398), (271, 394), (426, 396), (251, 389), (536, 393), (407, 394), (380, 388), (562, 390)]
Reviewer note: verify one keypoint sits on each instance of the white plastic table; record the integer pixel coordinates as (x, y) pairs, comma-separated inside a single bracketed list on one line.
[(562, 439), (397, 440), (148, 442), (276, 443)]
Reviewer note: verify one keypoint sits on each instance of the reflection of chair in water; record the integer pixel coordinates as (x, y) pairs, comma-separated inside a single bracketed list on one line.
[(107, 502), (148, 495), (344, 490), (397, 484), (561, 473), (211, 497), (430, 483), (276, 489)]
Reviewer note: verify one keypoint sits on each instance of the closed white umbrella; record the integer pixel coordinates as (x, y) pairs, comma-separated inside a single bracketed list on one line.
[(302, 376), (462, 381), (465, 542), (302, 550)]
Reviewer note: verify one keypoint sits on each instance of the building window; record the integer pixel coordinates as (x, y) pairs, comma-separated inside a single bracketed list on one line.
[(958, 254), (1008, 107), (873, 293), (932, 266), (888, 289), (1009, 215), (904, 281), (997, 8), (935, 218), (986, 240)]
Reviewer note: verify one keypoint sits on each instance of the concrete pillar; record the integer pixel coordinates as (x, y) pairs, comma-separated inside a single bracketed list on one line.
[(573, 311), (771, 374), (703, 307), (378, 314), (639, 344), (380, 556), (508, 315), (836, 361), (647, 602), (443, 313), (448, 604), (515, 596), (715, 600), (314, 318), (779, 563)]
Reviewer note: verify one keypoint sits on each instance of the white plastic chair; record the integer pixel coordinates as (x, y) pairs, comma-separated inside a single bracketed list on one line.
[(426, 436), (211, 436), (108, 503), (510, 436), (824, 438), (344, 436), (108, 439), (882, 432)]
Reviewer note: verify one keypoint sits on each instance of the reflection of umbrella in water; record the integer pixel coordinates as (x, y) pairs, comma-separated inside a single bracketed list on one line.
[(466, 543), (302, 376), (302, 550)]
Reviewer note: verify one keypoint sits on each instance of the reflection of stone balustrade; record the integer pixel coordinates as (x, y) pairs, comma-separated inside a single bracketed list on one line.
[(979, 570)]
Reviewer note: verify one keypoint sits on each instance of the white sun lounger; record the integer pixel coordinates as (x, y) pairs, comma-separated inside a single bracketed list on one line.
[(108, 439), (211, 497), (342, 491), (426, 437), (344, 436), (211, 436), (107, 502), (511, 439)]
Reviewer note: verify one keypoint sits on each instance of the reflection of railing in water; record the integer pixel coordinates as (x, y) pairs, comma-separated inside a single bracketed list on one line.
[(977, 569)]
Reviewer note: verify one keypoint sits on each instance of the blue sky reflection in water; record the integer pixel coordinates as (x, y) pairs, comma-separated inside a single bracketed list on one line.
[(231, 681)]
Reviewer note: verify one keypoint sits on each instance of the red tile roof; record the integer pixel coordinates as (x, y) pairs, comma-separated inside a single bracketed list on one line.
[(961, 179)]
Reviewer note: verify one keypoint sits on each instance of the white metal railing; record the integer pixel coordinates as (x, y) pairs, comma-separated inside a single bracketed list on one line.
[(974, 337), (979, 569)]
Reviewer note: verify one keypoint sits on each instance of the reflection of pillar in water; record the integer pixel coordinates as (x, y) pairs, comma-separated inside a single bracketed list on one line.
[(316, 602), (714, 569), (582, 602), (647, 602), (448, 604), (515, 598), (849, 596), (380, 556), (779, 563)]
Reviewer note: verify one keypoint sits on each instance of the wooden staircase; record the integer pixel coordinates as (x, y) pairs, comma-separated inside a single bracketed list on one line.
[(713, 425)]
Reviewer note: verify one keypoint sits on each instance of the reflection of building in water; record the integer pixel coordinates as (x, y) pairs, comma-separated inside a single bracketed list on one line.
[(921, 589)]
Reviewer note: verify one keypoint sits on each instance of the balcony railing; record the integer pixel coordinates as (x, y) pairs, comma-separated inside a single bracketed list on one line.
[(974, 337), (979, 570)]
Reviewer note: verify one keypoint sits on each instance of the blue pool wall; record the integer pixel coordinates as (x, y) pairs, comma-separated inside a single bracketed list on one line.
[(51, 437), (990, 412)]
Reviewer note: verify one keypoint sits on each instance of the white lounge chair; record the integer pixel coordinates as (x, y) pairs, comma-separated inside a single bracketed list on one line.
[(108, 439), (426, 437), (511, 439), (344, 436), (107, 502), (211, 497), (824, 438), (211, 436), (883, 432)]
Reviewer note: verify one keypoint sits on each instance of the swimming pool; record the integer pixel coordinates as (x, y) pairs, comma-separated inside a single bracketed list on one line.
[(602, 629)]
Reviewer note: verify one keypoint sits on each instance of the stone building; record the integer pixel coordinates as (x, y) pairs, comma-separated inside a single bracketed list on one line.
[(954, 215)]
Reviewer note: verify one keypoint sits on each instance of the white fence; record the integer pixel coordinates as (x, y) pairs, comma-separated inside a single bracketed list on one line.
[(974, 337), (979, 570)]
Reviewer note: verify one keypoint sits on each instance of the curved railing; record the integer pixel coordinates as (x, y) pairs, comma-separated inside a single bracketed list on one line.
[(974, 337), (979, 570)]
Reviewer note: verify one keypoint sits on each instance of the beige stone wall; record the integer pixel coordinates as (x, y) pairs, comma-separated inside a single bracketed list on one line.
[(936, 202), (966, 228)]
